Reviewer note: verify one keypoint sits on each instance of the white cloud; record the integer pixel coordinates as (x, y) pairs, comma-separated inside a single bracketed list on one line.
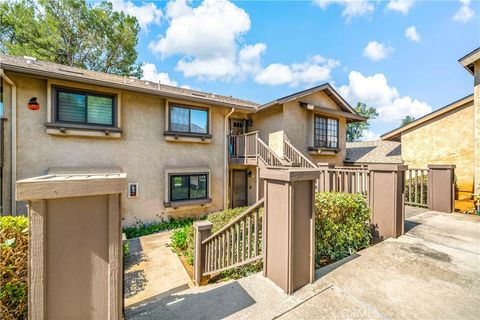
[(352, 8), (376, 92), (465, 13), (412, 34), (146, 13), (150, 73), (377, 51), (402, 6), (369, 135), (249, 58), (207, 37), (312, 71)]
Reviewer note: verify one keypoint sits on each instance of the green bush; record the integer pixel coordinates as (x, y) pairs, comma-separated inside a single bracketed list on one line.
[(142, 229), (13, 267), (342, 225)]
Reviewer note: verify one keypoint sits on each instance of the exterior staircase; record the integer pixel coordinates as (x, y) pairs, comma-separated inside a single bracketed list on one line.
[(250, 149)]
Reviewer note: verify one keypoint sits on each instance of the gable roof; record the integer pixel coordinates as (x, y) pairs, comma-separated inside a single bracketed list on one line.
[(52, 70), (369, 152), (469, 59), (395, 134)]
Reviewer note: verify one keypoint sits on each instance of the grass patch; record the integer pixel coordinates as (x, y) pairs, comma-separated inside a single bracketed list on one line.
[(142, 229)]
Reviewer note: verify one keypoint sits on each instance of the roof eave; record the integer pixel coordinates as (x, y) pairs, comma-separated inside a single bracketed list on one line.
[(108, 84)]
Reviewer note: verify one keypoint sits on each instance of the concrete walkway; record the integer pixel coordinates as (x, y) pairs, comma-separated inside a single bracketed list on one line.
[(152, 270), (432, 272)]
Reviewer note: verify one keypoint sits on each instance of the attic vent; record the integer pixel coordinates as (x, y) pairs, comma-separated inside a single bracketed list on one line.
[(198, 94), (30, 59), (70, 71)]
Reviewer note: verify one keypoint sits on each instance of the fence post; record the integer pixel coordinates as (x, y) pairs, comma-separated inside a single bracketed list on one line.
[(325, 179), (441, 188), (386, 200), (202, 230), (289, 227)]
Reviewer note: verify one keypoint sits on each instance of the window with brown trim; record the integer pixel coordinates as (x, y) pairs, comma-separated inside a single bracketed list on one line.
[(325, 132), (86, 108), (184, 187), (188, 119)]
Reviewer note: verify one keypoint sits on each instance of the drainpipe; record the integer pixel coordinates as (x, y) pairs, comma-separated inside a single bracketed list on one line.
[(225, 162), (14, 140)]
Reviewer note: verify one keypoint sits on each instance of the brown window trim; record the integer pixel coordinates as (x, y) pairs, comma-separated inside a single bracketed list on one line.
[(202, 136), (186, 106), (85, 127), (314, 148), (186, 203), (54, 105)]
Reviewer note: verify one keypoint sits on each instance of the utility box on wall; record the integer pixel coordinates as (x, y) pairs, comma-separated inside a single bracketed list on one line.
[(75, 245)]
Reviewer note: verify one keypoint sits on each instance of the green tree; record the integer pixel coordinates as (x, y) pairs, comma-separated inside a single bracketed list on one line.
[(355, 130), (71, 32), (407, 119)]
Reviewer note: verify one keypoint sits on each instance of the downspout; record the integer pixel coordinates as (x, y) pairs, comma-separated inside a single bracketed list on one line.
[(225, 161), (14, 141)]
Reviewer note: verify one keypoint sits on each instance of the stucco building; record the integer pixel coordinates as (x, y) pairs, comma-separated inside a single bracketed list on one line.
[(185, 152)]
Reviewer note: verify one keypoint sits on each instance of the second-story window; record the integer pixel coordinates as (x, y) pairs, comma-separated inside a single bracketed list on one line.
[(84, 108), (326, 132), (188, 119)]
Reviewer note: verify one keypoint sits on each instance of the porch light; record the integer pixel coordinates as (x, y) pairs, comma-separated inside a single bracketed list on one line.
[(33, 104)]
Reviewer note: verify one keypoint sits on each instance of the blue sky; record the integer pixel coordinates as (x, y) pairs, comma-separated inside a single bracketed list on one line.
[(399, 56)]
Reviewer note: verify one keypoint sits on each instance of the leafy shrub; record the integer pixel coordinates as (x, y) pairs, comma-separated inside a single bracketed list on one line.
[(126, 249), (13, 267), (342, 225), (182, 242), (142, 229)]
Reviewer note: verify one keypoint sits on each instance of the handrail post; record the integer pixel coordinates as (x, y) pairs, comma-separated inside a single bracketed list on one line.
[(441, 188), (202, 230)]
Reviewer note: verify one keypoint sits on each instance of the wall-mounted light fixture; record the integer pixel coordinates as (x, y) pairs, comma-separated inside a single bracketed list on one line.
[(33, 104)]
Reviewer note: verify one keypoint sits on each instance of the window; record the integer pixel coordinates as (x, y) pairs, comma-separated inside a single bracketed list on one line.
[(84, 108), (188, 119), (188, 187), (326, 132)]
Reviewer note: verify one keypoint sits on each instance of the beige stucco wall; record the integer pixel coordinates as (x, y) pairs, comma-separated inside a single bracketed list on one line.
[(299, 122), (445, 140), (477, 125), (141, 152), (269, 124)]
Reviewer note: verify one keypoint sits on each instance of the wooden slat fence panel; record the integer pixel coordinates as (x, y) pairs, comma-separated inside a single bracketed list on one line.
[(416, 187), (344, 179), (235, 244), (295, 156)]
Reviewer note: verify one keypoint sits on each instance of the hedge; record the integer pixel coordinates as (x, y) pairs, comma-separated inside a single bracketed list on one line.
[(13, 267), (342, 225)]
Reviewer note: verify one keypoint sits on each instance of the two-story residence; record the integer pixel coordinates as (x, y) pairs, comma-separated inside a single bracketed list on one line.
[(185, 152)]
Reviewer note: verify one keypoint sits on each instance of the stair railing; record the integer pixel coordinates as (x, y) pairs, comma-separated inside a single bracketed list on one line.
[(237, 243), (293, 155)]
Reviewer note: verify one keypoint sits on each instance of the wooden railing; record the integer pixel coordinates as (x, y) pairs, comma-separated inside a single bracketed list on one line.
[(237, 243), (416, 187), (244, 145), (265, 154), (344, 179), (296, 157)]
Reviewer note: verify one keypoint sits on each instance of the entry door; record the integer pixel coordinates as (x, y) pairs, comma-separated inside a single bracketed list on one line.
[(239, 189)]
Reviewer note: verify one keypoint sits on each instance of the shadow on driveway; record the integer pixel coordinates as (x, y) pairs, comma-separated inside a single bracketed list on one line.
[(215, 303)]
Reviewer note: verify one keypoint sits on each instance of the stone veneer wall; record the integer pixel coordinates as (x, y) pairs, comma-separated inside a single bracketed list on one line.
[(445, 140)]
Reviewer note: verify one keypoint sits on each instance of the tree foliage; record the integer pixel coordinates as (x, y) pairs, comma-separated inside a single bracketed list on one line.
[(355, 130), (407, 119), (71, 32)]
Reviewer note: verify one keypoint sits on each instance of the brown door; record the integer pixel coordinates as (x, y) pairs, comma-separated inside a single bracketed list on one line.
[(239, 189)]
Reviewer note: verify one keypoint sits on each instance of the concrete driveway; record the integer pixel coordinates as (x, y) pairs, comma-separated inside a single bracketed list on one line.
[(432, 272)]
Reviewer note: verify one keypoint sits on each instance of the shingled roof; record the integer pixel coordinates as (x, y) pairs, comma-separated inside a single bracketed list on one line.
[(367, 152), (57, 71)]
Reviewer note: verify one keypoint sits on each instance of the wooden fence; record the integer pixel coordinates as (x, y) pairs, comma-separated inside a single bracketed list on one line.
[(237, 243), (416, 187), (344, 179), (295, 156)]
